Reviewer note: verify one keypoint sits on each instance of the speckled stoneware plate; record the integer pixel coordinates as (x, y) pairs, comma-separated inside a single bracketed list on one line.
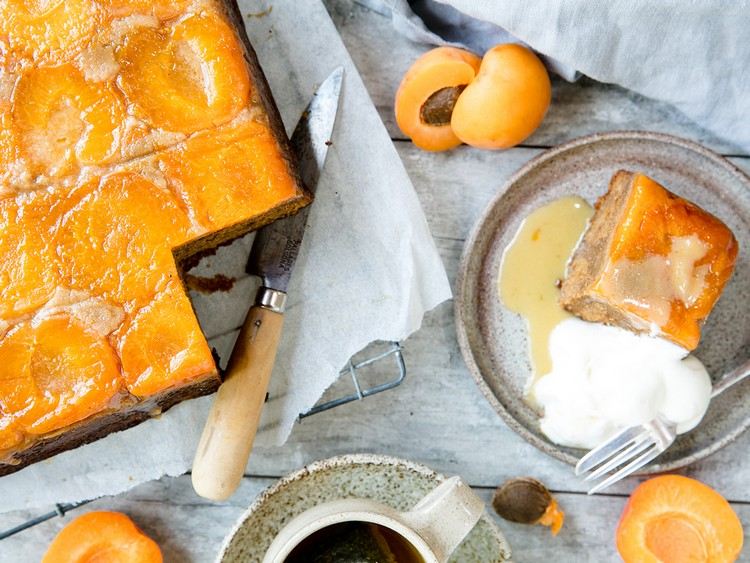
[(493, 339), (394, 482)]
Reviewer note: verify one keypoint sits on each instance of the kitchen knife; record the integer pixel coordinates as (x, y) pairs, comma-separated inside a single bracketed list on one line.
[(232, 423)]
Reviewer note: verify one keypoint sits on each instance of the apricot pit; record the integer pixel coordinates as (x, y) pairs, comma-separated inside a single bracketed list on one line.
[(428, 92)]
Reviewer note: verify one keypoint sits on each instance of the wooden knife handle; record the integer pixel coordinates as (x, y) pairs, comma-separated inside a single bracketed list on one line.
[(232, 423)]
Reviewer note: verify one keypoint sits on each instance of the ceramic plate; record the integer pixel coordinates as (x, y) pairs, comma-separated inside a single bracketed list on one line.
[(394, 482), (493, 339)]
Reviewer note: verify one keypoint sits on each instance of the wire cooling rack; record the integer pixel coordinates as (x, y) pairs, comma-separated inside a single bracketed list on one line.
[(377, 354)]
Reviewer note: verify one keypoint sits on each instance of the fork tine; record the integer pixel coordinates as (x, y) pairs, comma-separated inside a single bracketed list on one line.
[(634, 465), (641, 443), (606, 450)]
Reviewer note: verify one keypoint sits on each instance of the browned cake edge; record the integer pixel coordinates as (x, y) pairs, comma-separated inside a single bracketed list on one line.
[(102, 424), (590, 258)]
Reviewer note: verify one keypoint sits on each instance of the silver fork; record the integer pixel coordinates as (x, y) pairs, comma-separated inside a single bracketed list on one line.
[(634, 447)]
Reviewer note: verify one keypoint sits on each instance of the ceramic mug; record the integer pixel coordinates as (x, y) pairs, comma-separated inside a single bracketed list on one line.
[(434, 527)]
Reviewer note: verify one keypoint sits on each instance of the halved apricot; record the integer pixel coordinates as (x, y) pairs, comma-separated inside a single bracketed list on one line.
[(162, 345), (63, 120), (506, 101), (102, 537), (116, 240), (229, 174), (27, 273), (162, 9), (428, 92), (186, 76), (48, 30), (55, 373), (675, 519)]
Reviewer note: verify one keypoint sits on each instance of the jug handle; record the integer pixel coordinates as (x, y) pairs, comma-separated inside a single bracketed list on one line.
[(445, 516)]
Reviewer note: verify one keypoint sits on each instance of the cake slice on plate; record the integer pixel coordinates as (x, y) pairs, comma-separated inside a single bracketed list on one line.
[(649, 262)]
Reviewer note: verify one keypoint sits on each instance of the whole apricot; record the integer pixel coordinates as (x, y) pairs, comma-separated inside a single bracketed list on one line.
[(428, 92), (506, 101)]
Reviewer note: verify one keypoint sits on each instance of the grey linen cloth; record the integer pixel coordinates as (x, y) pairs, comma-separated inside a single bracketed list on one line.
[(693, 54)]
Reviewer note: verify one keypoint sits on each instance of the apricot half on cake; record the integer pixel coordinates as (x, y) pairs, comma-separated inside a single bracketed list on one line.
[(117, 240), (162, 345), (185, 76), (231, 169), (59, 373), (27, 274), (48, 31), (62, 120)]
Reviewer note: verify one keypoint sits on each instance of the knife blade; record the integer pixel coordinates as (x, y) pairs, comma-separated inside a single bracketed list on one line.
[(276, 245), (232, 422)]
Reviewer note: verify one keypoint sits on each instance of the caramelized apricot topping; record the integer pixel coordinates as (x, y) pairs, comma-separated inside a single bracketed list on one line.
[(163, 346), (235, 168), (27, 274), (695, 250), (63, 120), (116, 241), (48, 30), (55, 373), (187, 76), (162, 9)]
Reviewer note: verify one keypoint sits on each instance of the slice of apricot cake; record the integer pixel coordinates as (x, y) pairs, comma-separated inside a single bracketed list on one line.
[(650, 261), (133, 134)]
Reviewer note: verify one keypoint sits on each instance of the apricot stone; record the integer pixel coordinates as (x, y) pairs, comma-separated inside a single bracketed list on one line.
[(428, 92)]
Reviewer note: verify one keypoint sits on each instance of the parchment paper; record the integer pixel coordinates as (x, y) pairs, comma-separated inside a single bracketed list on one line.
[(368, 271)]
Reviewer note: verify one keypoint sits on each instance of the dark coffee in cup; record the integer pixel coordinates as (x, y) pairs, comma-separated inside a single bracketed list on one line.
[(354, 542)]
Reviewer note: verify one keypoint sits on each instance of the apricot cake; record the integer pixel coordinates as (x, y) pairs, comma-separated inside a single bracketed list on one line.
[(133, 134), (650, 261)]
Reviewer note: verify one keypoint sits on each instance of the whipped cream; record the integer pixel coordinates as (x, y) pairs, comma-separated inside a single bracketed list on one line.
[(605, 378)]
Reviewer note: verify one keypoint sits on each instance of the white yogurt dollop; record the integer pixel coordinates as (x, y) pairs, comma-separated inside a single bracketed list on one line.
[(604, 379)]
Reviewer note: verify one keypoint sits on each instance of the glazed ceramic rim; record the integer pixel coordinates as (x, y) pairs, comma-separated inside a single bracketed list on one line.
[(468, 256), (344, 461)]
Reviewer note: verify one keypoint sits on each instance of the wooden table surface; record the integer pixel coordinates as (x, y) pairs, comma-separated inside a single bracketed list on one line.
[(438, 415)]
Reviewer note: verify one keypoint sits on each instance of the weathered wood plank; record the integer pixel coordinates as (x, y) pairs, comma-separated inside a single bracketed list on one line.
[(383, 56), (190, 529)]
